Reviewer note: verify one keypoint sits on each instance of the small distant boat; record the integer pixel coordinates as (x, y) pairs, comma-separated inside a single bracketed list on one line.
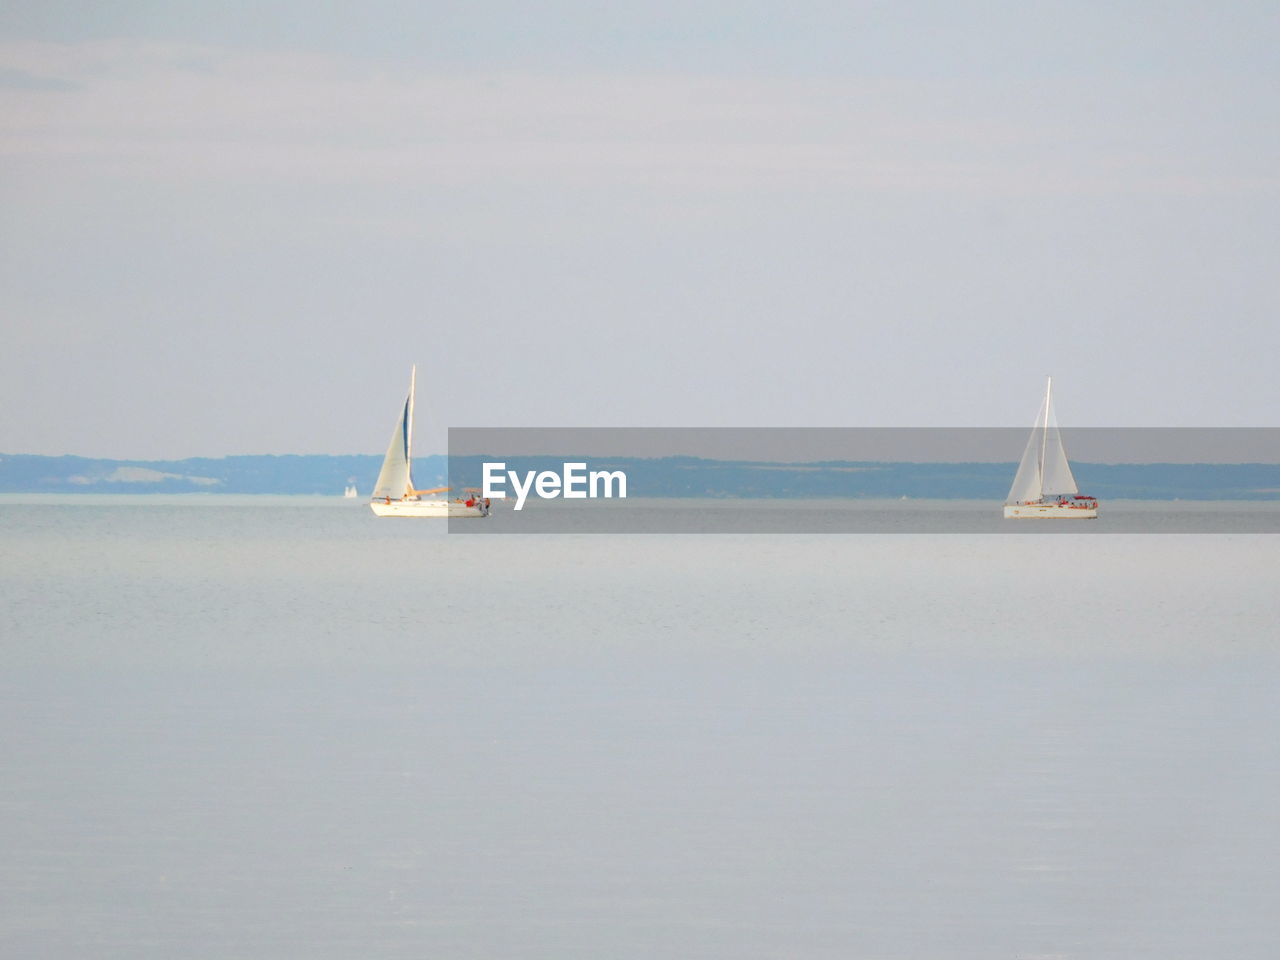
[(351, 493), (1044, 488), (394, 494)]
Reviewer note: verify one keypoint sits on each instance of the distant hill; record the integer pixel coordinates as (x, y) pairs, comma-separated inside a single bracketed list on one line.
[(695, 477), (662, 477), (288, 474)]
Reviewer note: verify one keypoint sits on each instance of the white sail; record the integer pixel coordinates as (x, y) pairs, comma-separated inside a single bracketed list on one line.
[(1026, 482), (394, 479)]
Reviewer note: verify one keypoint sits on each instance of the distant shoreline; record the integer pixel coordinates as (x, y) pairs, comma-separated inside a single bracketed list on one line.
[(665, 477)]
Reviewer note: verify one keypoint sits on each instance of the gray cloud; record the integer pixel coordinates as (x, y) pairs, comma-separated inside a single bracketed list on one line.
[(22, 80)]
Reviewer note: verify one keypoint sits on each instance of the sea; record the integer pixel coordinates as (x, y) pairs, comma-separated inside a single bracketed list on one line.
[(274, 727)]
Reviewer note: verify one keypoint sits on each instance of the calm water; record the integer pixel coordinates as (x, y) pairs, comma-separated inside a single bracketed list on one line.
[(281, 728), (843, 516)]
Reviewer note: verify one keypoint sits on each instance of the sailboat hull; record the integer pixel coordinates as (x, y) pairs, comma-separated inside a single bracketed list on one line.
[(425, 508), (1048, 511)]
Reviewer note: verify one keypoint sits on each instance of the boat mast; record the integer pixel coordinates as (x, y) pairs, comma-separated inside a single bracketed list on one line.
[(408, 419), (1044, 430), (408, 433)]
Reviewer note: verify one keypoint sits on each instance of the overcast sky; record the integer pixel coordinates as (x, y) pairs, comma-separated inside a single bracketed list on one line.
[(230, 228)]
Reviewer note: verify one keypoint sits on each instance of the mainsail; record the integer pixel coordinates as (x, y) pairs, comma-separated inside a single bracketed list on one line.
[(394, 479), (1056, 472), (1044, 471)]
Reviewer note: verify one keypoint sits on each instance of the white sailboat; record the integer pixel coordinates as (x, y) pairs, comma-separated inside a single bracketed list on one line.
[(350, 492), (1044, 487), (394, 494)]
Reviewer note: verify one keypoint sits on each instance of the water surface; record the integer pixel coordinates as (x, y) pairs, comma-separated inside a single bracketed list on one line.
[(279, 727)]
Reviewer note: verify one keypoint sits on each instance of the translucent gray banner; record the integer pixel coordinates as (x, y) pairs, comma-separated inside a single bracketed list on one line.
[(861, 480)]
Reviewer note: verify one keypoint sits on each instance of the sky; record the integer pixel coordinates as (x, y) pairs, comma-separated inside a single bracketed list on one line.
[(231, 228)]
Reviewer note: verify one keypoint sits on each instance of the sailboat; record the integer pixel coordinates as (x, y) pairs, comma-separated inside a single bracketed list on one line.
[(350, 492), (1044, 487), (394, 494)]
